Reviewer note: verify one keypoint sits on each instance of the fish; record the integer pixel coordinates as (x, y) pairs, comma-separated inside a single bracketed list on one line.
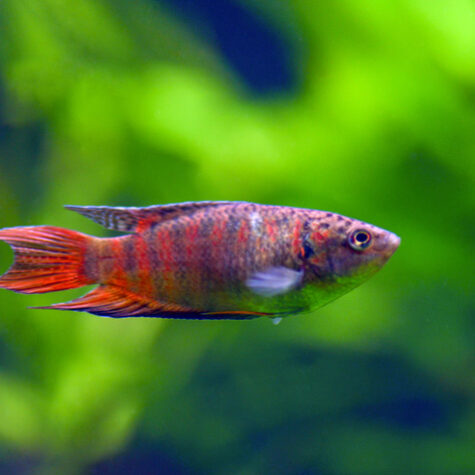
[(207, 260)]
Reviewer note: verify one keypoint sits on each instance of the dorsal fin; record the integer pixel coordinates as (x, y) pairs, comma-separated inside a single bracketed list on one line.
[(137, 219)]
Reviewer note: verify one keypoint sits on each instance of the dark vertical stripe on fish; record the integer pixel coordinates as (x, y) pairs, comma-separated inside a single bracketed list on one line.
[(130, 259), (153, 246), (143, 266)]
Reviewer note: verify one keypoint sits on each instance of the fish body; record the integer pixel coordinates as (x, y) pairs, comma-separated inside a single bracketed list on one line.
[(207, 260)]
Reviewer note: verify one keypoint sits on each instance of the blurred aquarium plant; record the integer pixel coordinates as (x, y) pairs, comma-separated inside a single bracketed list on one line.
[(363, 108)]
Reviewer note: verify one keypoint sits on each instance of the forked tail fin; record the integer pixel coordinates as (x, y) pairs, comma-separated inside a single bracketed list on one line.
[(47, 258)]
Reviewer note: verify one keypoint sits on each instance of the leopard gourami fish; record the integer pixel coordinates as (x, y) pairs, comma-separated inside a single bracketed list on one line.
[(201, 260)]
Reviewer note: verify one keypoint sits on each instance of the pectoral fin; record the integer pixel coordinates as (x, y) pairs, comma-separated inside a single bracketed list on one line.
[(274, 281)]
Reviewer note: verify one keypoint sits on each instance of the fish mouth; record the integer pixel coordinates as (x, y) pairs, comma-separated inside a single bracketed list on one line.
[(392, 243)]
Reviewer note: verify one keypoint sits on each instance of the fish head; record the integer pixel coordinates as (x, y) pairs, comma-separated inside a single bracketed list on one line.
[(347, 251)]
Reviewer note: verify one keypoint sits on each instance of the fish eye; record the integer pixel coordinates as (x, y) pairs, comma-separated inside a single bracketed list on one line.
[(360, 239)]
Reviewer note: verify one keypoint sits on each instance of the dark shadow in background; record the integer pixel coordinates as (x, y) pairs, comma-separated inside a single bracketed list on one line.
[(257, 52)]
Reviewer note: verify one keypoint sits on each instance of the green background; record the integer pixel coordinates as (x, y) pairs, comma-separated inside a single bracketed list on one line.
[(135, 103)]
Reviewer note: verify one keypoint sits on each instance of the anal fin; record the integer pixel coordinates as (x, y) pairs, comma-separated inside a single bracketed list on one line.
[(116, 302), (112, 301)]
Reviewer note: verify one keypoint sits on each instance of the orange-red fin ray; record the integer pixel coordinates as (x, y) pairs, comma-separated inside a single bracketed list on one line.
[(112, 301), (137, 219), (47, 259)]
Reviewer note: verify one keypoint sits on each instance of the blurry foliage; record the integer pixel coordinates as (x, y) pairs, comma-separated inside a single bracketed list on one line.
[(363, 108)]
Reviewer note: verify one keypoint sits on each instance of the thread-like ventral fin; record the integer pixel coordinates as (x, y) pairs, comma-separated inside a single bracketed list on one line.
[(137, 219)]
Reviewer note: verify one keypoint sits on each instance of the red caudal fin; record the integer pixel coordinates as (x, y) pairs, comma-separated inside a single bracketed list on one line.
[(46, 259)]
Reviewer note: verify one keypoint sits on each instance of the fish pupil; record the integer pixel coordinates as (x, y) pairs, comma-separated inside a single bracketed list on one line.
[(362, 237)]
